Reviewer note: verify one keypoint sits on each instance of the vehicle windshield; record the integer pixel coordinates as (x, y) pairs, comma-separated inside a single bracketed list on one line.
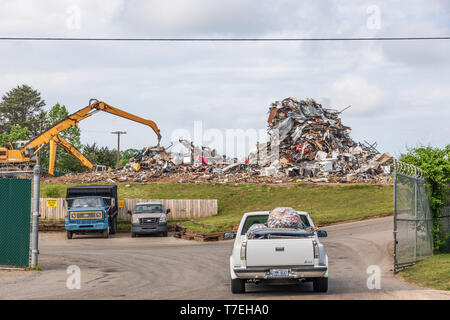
[(149, 208), (88, 202), (251, 220)]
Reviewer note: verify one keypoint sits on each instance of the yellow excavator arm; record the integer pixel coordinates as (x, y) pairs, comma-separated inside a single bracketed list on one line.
[(70, 149), (72, 120), (9, 155)]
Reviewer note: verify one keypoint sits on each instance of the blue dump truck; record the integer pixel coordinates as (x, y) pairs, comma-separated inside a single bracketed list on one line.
[(91, 209)]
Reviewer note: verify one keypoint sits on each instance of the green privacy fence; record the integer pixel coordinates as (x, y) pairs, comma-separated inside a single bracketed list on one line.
[(15, 210)]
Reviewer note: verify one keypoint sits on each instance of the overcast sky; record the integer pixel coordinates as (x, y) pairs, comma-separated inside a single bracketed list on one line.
[(399, 91)]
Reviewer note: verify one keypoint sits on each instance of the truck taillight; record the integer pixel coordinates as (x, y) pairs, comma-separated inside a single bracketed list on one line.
[(316, 249), (244, 251)]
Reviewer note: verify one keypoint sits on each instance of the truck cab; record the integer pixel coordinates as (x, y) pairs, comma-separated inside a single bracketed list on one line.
[(149, 218), (91, 209)]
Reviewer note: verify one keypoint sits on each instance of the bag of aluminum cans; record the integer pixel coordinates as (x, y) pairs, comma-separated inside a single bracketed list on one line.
[(255, 227), (284, 217)]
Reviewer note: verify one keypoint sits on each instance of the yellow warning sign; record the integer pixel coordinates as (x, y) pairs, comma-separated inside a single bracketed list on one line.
[(52, 203), (121, 203)]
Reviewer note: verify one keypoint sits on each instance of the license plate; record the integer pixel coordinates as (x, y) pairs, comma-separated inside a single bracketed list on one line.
[(280, 272)]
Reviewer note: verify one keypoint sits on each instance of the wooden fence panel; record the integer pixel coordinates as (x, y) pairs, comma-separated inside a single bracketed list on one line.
[(179, 208)]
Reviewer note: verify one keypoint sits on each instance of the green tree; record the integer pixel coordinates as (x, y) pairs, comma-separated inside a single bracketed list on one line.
[(22, 106), (16, 133), (435, 163), (126, 155), (100, 155), (56, 114)]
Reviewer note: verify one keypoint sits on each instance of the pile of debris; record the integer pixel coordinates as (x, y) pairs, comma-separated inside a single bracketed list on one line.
[(308, 143), (311, 142)]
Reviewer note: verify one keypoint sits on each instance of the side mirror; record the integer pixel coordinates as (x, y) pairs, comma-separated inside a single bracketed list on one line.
[(167, 211), (129, 212), (322, 233), (229, 235)]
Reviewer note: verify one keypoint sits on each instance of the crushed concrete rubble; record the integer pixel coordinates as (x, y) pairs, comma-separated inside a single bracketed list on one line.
[(308, 143)]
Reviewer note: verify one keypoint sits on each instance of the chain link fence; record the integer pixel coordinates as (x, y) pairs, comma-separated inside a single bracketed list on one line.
[(413, 220), (445, 226), (17, 241)]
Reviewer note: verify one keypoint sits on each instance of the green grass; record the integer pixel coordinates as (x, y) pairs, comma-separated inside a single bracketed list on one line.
[(35, 268), (123, 225), (327, 204), (432, 272)]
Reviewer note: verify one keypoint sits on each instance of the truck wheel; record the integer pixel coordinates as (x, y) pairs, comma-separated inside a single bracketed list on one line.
[(237, 286), (133, 234), (69, 234), (106, 233), (165, 234), (320, 285)]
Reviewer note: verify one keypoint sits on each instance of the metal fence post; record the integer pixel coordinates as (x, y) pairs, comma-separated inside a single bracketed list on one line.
[(395, 215), (35, 227), (415, 213)]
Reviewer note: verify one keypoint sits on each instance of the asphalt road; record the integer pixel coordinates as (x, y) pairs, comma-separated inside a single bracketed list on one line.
[(168, 268)]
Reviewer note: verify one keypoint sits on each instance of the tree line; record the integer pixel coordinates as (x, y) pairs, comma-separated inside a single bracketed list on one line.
[(23, 117)]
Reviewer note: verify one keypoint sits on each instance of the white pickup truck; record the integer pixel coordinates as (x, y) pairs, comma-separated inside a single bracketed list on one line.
[(278, 255)]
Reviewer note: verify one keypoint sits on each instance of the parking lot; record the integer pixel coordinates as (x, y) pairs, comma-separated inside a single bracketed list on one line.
[(168, 268)]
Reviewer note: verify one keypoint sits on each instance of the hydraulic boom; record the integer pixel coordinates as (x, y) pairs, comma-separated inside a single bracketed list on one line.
[(9, 155)]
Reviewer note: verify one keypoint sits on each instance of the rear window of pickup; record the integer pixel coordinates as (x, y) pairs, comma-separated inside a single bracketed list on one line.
[(251, 220)]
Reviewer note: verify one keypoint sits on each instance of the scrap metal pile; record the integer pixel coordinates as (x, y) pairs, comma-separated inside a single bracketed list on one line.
[(314, 144), (308, 143)]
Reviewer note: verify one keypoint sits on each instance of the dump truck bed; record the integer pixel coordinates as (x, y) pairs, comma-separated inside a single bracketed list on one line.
[(108, 192)]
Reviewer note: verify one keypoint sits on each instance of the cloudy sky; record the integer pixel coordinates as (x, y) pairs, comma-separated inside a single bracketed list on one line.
[(399, 91)]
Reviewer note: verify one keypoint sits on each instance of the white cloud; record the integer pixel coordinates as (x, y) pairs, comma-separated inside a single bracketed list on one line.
[(355, 91)]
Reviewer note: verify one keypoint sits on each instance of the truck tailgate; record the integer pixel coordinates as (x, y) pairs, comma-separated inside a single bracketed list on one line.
[(280, 252)]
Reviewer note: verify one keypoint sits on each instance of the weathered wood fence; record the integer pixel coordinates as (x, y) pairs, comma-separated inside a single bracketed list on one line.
[(180, 208)]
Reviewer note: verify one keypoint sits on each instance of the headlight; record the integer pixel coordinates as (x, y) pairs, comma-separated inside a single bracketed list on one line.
[(135, 220), (163, 218)]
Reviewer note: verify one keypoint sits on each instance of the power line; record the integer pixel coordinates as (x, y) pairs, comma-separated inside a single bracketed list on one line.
[(223, 39)]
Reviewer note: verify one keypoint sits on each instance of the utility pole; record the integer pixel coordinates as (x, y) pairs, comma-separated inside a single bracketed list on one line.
[(118, 146), (40, 122), (35, 225)]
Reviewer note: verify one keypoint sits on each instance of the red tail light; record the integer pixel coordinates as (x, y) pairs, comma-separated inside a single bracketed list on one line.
[(316, 249), (244, 251)]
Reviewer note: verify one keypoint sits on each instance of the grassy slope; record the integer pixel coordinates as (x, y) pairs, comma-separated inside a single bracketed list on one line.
[(327, 204), (432, 272)]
